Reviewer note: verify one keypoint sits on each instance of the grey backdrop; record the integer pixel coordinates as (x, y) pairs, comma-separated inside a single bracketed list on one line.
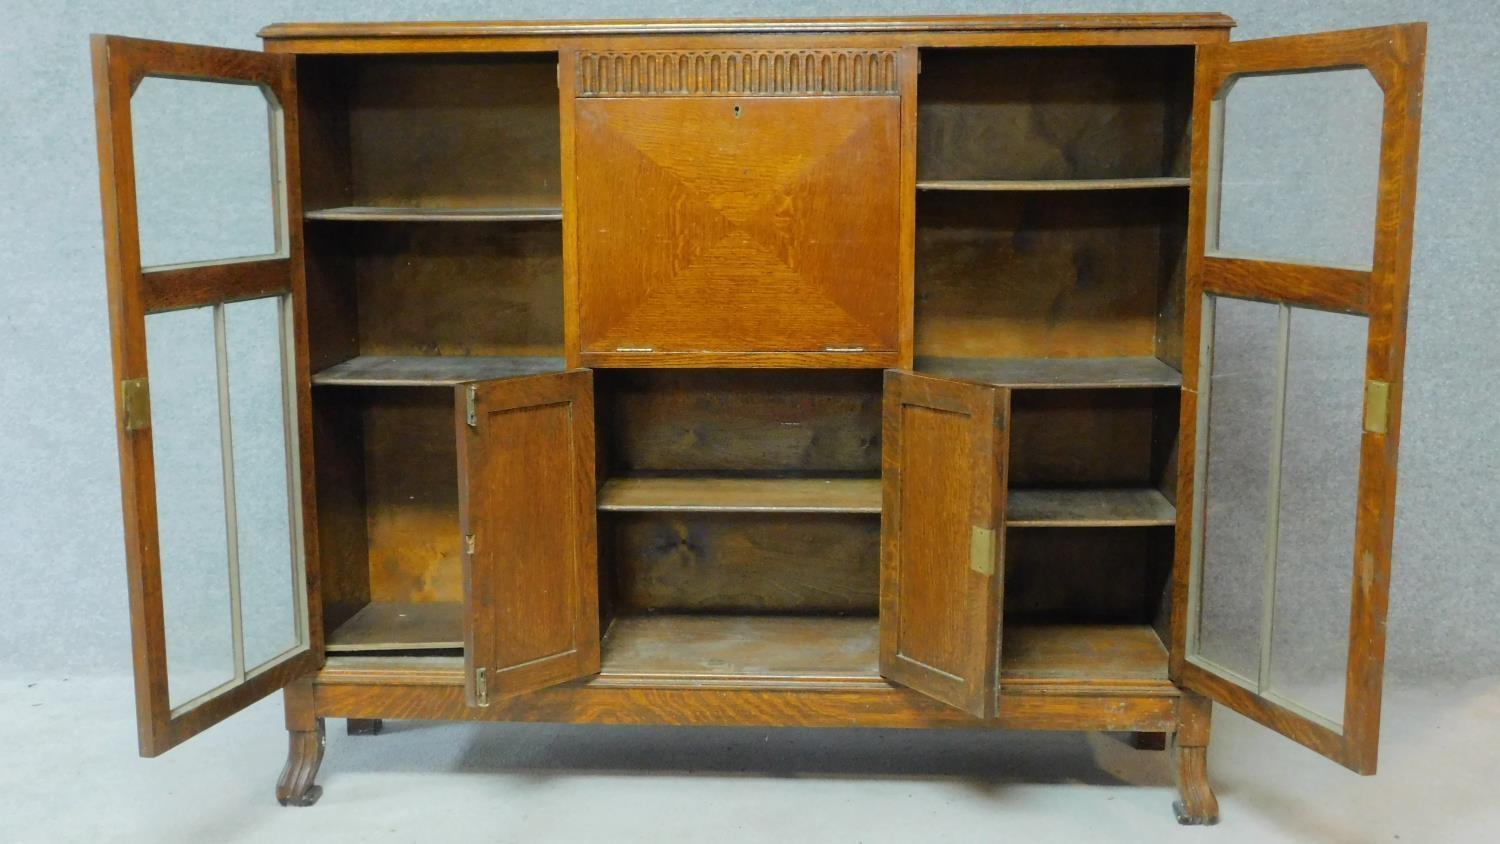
[(63, 609)]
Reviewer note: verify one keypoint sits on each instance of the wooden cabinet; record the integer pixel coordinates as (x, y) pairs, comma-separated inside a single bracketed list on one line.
[(820, 373)]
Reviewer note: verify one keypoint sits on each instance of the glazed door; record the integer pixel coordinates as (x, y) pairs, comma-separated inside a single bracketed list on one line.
[(941, 543), (211, 376), (1292, 400), (528, 513)]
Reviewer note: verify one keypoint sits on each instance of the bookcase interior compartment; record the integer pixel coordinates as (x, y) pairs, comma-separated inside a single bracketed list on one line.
[(1091, 506), (388, 528), (434, 132), (1019, 115), (1051, 275), (434, 303), (739, 423), (736, 492)]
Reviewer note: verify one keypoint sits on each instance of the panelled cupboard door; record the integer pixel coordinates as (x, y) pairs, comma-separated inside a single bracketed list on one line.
[(941, 538), (211, 384), (1292, 406), (527, 507)]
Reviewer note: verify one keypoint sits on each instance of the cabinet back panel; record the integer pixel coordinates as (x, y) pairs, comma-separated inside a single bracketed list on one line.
[(743, 562), (454, 130), (411, 483), (459, 288), (1053, 113), (1043, 274), (1064, 438), (746, 422), (1082, 575), (343, 543)]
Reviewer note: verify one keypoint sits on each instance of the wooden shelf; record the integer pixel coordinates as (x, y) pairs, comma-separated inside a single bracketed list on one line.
[(375, 213), (400, 627), (1082, 653), (1055, 373), (722, 647), (430, 371), (1001, 185), (741, 495), (791, 650), (1042, 508)]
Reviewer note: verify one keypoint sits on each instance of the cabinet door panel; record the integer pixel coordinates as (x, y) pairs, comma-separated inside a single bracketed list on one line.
[(527, 505), (216, 473), (941, 540), (1292, 406)]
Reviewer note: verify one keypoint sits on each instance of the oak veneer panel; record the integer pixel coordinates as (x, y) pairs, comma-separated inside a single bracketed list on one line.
[(743, 562), (368, 213), (935, 539), (722, 224), (1043, 114), (1055, 274), (768, 495), (401, 627), (430, 370), (1056, 373), (747, 422), (1088, 508)]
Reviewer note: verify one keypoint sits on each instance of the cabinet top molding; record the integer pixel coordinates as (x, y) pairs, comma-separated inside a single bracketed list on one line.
[(735, 26)]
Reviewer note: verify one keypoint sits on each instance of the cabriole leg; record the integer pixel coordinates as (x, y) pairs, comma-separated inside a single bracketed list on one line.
[(1196, 803), (305, 747)]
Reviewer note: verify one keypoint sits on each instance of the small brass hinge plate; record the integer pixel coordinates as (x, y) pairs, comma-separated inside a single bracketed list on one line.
[(468, 543), (482, 686), (471, 406), (982, 550), (135, 397), (1377, 406)]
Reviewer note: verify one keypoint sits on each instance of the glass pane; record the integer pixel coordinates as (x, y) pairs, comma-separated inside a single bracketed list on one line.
[(1300, 168), (1241, 409), (203, 171), (269, 579), (182, 368), (1319, 495)]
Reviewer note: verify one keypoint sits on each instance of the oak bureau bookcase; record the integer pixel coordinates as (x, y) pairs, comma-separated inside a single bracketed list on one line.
[(830, 373)]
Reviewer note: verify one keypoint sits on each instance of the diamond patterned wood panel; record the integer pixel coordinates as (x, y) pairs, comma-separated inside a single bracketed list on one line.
[(738, 225)]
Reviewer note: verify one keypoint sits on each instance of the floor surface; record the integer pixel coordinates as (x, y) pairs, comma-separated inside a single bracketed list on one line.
[(69, 772)]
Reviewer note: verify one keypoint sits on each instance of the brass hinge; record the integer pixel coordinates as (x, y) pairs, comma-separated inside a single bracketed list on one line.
[(1377, 406), (482, 686), (982, 550), (469, 543), (135, 397), (471, 406)]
